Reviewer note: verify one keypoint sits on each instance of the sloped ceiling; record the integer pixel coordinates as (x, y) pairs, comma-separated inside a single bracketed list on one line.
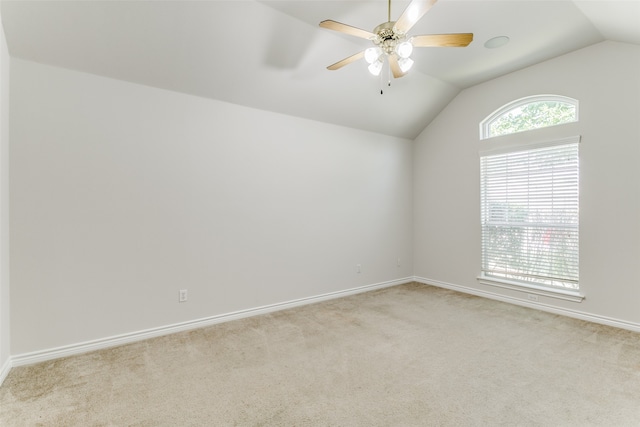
[(272, 55)]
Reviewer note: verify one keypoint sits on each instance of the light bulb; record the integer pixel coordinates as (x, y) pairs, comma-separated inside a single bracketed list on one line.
[(372, 54), (404, 49), (375, 68), (405, 64)]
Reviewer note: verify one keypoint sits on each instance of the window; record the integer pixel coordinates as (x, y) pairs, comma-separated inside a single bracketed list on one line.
[(529, 113), (529, 216)]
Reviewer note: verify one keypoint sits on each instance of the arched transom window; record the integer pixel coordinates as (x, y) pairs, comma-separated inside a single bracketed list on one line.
[(532, 112)]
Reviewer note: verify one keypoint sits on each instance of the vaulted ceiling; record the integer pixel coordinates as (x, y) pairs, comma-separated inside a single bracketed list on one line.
[(272, 55)]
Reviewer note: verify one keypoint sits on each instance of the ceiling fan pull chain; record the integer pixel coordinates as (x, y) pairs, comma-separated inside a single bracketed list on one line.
[(388, 78)]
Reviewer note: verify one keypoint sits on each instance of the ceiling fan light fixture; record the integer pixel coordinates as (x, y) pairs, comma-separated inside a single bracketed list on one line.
[(375, 68), (405, 64), (372, 54), (404, 49), (392, 44)]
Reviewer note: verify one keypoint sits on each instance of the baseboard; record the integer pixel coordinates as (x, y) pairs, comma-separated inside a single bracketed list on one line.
[(603, 320), (99, 344), (4, 370), (70, 350)]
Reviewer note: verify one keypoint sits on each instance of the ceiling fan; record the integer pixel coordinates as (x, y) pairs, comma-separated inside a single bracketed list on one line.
[(391, 41)]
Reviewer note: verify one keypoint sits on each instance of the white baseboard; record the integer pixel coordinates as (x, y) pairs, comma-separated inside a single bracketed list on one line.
[(623, 324), (4, 370), (73, 349)]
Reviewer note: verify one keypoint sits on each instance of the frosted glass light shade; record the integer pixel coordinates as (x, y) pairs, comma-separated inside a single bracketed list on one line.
[(405, 64), (404, 49), (375, 68), (372, 54)]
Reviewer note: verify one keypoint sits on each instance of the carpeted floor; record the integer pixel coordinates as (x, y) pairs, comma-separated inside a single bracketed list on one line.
[(410, 355)]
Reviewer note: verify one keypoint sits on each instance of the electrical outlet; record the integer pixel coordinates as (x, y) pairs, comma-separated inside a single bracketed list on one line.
[(398, 262), (182, 295), (532, 297), (358, 268)]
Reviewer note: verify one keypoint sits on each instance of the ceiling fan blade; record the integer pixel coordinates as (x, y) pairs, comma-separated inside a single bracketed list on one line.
[(412, 14), (395, 67), (442, 40), (346, 29), (346, 61)]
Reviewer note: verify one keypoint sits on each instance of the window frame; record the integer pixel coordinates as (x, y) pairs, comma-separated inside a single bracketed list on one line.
[(525, 140), (485, 125)]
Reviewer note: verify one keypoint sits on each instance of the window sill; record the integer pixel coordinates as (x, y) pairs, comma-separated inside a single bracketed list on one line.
[(567, 295)]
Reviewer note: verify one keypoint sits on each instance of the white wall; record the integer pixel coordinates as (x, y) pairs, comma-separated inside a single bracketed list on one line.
[(123, 194), (605, 78), (4, 204)]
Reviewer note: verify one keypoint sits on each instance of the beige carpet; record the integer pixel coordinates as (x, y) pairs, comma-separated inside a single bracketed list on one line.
[(411, 355)]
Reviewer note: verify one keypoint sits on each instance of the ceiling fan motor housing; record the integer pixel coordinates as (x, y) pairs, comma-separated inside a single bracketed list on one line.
[(387, 37)]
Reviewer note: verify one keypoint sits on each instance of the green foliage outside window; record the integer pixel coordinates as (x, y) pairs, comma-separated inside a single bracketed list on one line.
[(533, 116)]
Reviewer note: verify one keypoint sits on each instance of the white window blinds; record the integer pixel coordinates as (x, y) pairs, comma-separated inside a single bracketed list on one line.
[(529, 214)]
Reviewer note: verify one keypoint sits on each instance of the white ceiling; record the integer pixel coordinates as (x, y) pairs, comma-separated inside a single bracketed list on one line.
[(272, 55)]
